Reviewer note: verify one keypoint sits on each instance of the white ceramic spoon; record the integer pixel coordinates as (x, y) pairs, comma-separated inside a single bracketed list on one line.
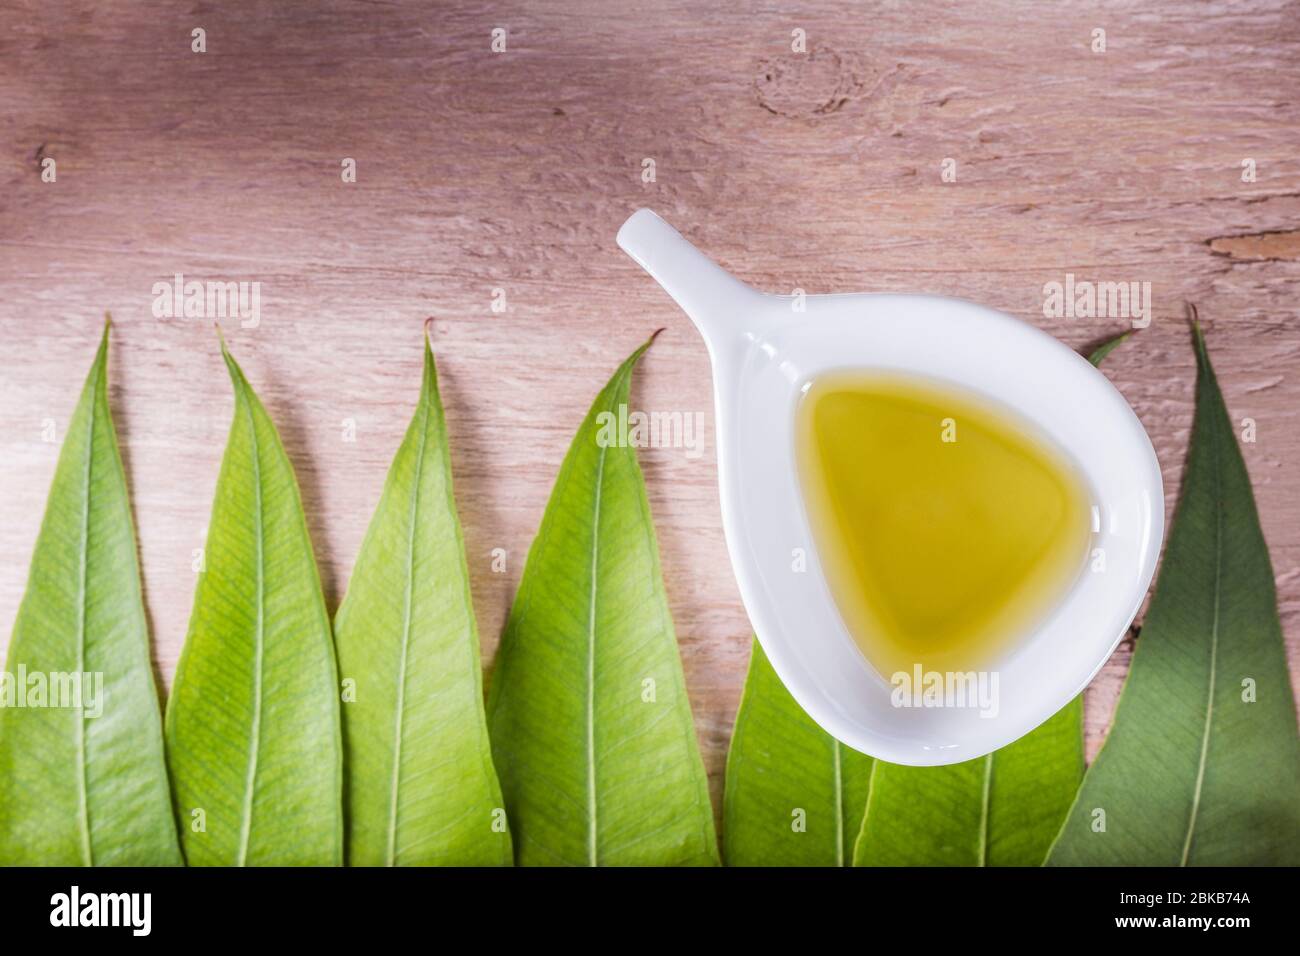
[(764, 354)]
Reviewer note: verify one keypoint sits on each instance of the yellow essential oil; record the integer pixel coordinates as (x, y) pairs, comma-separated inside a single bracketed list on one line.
[(947, 526)]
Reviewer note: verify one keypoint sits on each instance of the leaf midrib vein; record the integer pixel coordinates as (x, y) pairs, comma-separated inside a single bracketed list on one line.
[(396, 777), (839, 804), (592, 849), (984, 809), (83, 808), (1214, 647), (255, 732), (592, 829)]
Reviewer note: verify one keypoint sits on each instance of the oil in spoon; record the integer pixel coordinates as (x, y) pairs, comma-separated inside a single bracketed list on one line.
[(947, 526)]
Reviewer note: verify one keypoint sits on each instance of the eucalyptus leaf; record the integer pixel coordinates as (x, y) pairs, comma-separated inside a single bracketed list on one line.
[(253, 738), (794, 795), (590, 723), (1002, 809), (84, 782), (1097, 355), (420, 785), (1202, 762)]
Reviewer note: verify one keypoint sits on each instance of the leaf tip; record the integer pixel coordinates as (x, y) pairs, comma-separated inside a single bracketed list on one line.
[(1198, 334), (1098, 355), (632, 360), (101, 353), (108, 325), (428, 343), (236, 373)]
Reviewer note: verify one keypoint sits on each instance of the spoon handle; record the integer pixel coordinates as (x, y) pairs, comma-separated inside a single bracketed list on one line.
[(717, 302)]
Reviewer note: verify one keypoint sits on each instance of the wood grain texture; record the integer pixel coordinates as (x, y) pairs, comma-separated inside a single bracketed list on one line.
[(479, 171)]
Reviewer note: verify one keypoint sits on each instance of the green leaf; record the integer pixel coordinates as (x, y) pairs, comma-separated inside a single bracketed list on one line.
[(1202, 762), (1002, 809), (794, 794), (590, 724), (253, 739), (84, 784), (420, 786), (1110, 345)]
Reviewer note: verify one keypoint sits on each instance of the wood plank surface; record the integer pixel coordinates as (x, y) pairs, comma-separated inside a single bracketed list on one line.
[(480, 171)]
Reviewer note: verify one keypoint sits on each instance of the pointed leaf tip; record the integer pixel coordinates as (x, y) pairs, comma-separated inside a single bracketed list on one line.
[(1198, 336), (641, 349), (1219, 769), (75, 790), (236, 373), (570, 764), (406, 632), (102, 351), (252, 723), (1100, 352)]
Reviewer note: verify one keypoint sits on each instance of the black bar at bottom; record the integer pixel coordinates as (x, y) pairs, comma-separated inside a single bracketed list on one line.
[(337, 907)]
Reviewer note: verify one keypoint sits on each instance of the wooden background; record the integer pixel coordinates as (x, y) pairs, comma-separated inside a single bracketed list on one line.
[(481, 170)]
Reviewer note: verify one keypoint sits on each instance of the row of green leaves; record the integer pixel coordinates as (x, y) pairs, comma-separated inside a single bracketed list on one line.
[(586, 753), (288, 741)]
